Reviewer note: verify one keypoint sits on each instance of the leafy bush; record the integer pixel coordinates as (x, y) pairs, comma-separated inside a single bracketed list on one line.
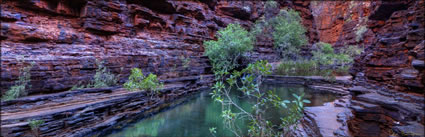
[(286, 30), (297, 68), (185, 61), (360, 32), (352, 50), (35, 126), (324, 55), (232, 43), (102, 78), (250, 81), (288, 34), (20, 87), (138, 81)]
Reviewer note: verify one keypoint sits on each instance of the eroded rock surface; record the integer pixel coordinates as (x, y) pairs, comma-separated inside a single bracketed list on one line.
[(91, 111), (394, 59), (64, 38), (389, 75)]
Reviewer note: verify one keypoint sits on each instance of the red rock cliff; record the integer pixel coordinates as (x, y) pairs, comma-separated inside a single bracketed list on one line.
[(64, 38), (395, 57)]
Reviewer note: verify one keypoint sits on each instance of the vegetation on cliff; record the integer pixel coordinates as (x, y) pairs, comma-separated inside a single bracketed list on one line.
[(102, 78), (231, 45), (22, 85), (138, 81)]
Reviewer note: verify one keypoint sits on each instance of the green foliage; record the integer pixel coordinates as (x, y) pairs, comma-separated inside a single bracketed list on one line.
[(307, 68), (248, 81), (287, 31), (185, 61), (352, 50), (325, 54), (295, 112), (360, 32), (213, 131), (232, 43), (138, 81), (297, 68), (102, 78), (35, 124), (23, 83)]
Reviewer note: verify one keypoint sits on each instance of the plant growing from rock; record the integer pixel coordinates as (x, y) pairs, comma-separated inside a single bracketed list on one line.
[(251, 79), (286, 30), (325, 55), (138, 81), (360, 32), (23, 83), (35, 126), (232, 43), (102, 78), (185, 61)]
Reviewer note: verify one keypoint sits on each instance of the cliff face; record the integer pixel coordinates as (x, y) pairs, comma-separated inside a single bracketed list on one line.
[(395, 57), (392, 70), (65, 38), (337, 21)]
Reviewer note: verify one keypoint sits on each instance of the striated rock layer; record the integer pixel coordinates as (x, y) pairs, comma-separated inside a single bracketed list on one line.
[(338, 21), (389, 75), (89, 112), (395, 58), (65, 38)]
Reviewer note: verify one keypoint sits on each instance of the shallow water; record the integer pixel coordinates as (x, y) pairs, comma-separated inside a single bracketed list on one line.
[(200, 112)]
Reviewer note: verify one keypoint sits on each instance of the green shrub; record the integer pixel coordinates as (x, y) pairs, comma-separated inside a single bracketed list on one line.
[(297, 68), (288, 34), (352, 50), (360, 32), (232, 44), (35, 126), (138, 81), (285, 29), (248, 82), (102, 78), (185, 61), (324, 55), (20, 87)]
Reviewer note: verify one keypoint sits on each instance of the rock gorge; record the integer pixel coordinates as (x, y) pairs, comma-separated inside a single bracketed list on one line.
[(64, 38)]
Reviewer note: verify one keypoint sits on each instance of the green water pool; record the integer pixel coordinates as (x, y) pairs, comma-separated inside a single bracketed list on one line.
[(200, 112)]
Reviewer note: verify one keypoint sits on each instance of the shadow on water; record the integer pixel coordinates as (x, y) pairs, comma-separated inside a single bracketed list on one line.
[(200, 112)]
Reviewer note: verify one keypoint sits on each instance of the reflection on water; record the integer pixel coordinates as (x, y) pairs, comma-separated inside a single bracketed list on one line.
[(195, 117)]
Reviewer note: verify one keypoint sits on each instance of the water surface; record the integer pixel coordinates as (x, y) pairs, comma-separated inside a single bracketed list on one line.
[(200, 112)]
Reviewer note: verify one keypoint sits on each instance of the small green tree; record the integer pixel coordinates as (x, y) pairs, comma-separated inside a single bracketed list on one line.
[(138, 81), (251, 79), (324, 54), (360, 32), (231, 45), (288, 34), (23, 83), (35, 126), (102, 78)]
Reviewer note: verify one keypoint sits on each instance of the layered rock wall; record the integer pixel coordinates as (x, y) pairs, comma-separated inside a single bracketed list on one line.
[(395, 57), (389, 74), (65, 38), (338, 21)]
